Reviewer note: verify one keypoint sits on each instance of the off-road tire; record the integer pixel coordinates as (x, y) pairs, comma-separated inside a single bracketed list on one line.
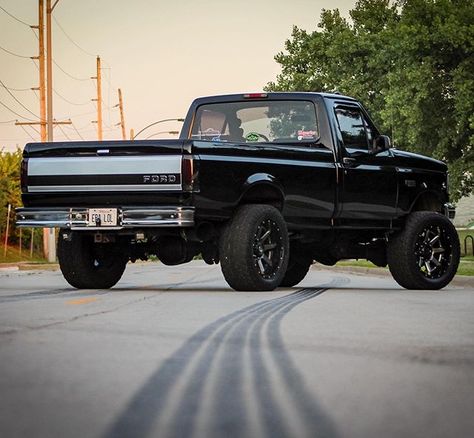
[(425, 254), (244, 248), (295, 273), (86, 265)]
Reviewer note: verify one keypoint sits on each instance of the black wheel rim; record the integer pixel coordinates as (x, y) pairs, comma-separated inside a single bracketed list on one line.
[(433, 251), (268, 249)]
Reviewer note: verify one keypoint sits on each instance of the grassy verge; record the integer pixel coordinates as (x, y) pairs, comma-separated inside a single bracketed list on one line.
[(466, 265), (13, 256)]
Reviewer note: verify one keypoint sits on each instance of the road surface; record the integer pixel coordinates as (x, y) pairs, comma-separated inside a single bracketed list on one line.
[(174, 352)]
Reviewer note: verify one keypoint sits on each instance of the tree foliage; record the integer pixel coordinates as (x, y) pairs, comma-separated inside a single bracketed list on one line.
[(412, 64), (10, 190)]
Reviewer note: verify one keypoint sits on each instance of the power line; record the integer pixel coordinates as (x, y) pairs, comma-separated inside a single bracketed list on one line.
[(71, 40), (68, 101), (14, 54), (17, 89), (8, 121), (15, 18), (29, 135), (62, 130), (68, 74), (12, 95), (19, 115), (78, 133)]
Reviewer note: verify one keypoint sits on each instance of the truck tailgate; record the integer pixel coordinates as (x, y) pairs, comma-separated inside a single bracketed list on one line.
[(103, 167)]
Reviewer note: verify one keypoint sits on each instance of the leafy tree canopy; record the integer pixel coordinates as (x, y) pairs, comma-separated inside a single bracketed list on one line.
[(412, 64)]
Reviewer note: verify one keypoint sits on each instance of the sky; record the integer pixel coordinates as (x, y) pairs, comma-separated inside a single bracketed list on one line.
[(162, 54)]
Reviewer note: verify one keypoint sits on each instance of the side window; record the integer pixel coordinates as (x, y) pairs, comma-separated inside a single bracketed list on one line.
[(355, 131)]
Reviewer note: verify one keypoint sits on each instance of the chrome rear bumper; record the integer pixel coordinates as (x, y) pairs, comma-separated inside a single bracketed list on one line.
[(76, 218)]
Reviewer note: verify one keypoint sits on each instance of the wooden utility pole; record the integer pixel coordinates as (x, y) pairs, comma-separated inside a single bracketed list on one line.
[(46, 102), (49, 62), (98, 100), (122, 118), (42, 80)]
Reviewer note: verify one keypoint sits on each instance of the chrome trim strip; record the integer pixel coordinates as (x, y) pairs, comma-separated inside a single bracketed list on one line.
[(128, 217)]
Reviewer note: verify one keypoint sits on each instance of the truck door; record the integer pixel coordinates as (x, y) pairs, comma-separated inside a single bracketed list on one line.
[(368, 193)]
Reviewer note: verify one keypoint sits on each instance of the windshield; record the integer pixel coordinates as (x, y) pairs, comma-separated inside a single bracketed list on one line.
[(256, 121)]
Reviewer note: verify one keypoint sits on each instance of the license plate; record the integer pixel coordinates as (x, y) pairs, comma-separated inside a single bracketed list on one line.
[(102, 217)]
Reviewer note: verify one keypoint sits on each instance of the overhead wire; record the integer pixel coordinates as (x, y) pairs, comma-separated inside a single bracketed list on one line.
[(77, 131), (68, 74), (64, 132), (70, 39), (8, 121), (67, 100), (14, 112), (14, 54), (29, 135), (15, 18), (19, 89), (16, 100)]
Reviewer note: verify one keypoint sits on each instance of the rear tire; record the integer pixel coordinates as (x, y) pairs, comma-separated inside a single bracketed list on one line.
[(89, 265), (425, 254), (254, 249)]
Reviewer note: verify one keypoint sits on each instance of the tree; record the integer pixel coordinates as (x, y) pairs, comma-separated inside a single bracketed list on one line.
[(10, 190), (410, 61)]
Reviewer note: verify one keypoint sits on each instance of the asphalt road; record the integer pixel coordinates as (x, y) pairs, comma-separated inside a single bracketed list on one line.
[(174, 352)]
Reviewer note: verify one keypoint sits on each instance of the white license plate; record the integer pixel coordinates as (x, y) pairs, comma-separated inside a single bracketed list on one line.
[(103, 217)]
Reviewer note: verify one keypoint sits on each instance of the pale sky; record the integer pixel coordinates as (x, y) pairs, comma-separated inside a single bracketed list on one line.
[(161, 53)]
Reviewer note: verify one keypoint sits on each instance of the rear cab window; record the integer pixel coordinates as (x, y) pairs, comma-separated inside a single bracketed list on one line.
[(284, 121)]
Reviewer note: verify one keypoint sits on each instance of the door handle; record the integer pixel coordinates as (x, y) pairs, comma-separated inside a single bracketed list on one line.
[(349, 162)]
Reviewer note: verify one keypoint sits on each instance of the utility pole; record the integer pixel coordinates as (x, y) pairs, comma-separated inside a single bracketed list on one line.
[(46, 117), (42, 80), (98, 100), (49, 85), (122, 118), (49, 62)]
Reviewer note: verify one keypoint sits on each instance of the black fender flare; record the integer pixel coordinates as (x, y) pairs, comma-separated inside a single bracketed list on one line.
[(262, 188)]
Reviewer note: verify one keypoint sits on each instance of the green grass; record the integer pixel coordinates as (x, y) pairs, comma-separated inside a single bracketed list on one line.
[(13, 255), (466, 265)]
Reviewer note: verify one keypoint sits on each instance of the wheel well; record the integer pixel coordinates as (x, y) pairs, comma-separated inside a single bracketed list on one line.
[(427, 202), (263, 194)]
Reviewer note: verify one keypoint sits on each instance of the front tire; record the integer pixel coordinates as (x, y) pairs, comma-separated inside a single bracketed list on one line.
[(254, 249), (89, 265), (425, 254)]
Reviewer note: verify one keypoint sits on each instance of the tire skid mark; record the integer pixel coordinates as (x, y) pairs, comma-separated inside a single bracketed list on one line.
[(34, 295), (221, 344), (228, 339)]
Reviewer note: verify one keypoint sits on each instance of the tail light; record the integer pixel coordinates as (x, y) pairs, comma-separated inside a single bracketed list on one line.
[(255, 96), (187, 172), (24, 175)]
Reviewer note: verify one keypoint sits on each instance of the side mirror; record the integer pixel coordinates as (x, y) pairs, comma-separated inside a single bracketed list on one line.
[(381, 143)]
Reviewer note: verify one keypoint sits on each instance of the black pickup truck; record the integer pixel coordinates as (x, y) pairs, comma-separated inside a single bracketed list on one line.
[(264, 183)]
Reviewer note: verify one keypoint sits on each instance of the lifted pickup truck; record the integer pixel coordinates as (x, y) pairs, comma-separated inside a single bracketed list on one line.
[(265, 184)]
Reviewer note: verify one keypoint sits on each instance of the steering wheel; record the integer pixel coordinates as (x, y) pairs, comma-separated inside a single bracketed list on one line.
[(254, 136)]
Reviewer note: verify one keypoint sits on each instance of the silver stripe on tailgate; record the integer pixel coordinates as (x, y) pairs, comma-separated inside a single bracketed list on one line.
[(104, 165)]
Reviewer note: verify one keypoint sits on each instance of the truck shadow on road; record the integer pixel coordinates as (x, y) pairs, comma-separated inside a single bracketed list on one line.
[(222, 381)]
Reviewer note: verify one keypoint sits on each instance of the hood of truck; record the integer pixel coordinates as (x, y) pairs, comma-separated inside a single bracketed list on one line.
[(417, 161)]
